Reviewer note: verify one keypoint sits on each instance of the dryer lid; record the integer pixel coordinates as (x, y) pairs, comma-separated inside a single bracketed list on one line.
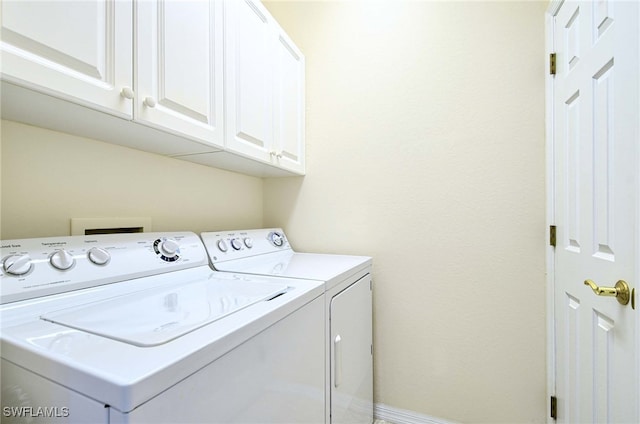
[(156, 316), (307, 266)]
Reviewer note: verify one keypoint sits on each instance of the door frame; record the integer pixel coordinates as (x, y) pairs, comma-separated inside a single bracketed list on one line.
[(551, 12)]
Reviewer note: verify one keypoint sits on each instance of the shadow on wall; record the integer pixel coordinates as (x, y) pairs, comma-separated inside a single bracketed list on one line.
[(281, 196)]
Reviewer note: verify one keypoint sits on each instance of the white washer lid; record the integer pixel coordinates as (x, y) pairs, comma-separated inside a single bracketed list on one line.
[(156, 316)]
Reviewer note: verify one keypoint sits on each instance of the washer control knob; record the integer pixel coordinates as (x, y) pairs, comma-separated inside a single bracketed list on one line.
[(236, 244), (17, 264), (248, 241), (222, 245), (98, 256), (62, 259), (169, 247)]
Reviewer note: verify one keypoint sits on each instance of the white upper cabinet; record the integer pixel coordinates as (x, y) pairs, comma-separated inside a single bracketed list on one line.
[(179, 68), (264, 80), (77, 50), (215, 82), (289, 105), (249, 78)]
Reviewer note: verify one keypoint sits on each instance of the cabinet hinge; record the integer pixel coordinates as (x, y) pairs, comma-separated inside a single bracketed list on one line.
[(554, 407), (552, 235), (552, 63)]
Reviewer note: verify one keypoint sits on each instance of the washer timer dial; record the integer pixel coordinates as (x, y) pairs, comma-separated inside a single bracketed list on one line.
[(167, 249)]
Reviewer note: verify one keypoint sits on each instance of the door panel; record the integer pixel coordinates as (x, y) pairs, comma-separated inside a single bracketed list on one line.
[(289, 104), (179, 68), (595, 132), (78, 51), (248, 78)]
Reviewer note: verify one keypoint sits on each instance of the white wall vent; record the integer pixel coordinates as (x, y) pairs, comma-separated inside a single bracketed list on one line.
[(89, 226)]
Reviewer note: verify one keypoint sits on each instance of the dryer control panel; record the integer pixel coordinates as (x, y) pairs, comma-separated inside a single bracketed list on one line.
[(230, 245), (31, 268)]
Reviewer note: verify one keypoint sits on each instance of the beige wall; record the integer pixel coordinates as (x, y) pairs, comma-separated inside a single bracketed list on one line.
[(425, 150), (50, 177)]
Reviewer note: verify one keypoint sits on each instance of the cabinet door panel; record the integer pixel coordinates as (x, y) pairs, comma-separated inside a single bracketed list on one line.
[(289, 105), (179, 68), (78, 51), (248, 74)]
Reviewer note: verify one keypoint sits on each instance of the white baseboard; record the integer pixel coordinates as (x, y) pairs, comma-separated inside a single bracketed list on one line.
[(393, 415)]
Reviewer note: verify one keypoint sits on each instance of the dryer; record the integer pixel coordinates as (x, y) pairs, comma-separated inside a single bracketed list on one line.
[(348, 308), (137, 328)]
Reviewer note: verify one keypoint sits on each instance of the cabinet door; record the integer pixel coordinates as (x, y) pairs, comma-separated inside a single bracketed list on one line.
[(76, 50), (351, 354), (179, 68), (249, 79), (289, 105)]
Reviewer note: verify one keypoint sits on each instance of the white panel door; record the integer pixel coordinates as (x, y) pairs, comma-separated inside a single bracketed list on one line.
[(179, 68), (289, 105), (76, 50), (351, 354), (595, 130), (249, 78)]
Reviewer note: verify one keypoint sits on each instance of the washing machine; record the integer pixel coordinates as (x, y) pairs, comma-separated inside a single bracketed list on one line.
[(137, 328), (347, 284)]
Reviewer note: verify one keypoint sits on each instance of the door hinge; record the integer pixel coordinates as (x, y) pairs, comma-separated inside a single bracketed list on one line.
[(552, 235), (554, 407), (552, 63)]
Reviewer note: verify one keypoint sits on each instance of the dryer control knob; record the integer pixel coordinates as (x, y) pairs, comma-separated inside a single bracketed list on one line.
[(236, 244), (276, 239), (62, 259), (248, 241), (17, 264), (222, 245), (98, 256), (169, 247)]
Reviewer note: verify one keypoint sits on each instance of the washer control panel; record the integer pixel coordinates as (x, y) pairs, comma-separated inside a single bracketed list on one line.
[(32, 268), (229, 245)]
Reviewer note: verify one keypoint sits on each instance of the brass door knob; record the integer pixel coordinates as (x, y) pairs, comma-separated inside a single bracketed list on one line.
[(620, 291)]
